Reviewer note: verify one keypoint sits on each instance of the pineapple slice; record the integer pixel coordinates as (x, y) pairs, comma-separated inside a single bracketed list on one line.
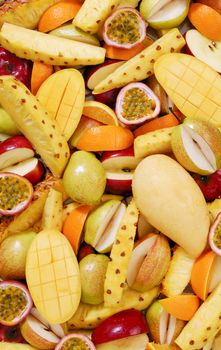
[(53, 276), (89, 316), (92, 14), (179, 273), (24, 14), (141, 66), (120, 256), (33, 121), (49, 49), (63, 95), (192, 85), (153, 142), (52, 214), (204, 325)]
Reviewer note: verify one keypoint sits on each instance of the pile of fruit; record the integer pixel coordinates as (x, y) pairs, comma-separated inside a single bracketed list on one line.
[(110, 175)]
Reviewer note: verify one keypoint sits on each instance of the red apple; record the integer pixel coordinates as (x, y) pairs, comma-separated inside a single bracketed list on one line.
[(11, 334), (107, 97), (100, 72), (210, 185), (32, 169), (84, 250), (121, 325), (13, 65), (119, 167), (15, 149)]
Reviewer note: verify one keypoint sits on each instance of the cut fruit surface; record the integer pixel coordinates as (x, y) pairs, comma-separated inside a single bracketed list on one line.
[(124, 28), (15, 193), (15, 302), (100, 112), (40, 72), (75, 340), (215, 235), (181, 306), (137, 342)]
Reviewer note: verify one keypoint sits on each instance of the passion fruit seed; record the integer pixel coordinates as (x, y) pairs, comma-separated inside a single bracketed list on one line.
[(217, 235), (12, 303), (137, 104), (124, 28), (76, 344), (12, 192)]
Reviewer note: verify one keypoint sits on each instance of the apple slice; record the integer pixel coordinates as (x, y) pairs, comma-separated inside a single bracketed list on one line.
[(119, 167), (197, 146), (32, 169), (14, 150), (58, 329), (161, 14), (157, 319), (204, 49), (96, 74)]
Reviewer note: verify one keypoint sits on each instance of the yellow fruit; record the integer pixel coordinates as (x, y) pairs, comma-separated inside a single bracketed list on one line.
[(53, 277), (49, 49), (192, 85), (63, 95), (141, 66)]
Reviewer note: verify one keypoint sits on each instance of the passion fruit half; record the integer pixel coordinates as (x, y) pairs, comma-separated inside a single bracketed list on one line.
[(15, 302), (215, 235), (75, 341), (15, 193), (136, 103), (124, 28)]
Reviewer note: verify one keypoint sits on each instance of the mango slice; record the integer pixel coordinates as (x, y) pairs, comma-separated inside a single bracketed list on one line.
[(52, 213), (49, 49), (63, 95), (92, 13), (53, 277), (192, 85), (141, 66), (34, 122)]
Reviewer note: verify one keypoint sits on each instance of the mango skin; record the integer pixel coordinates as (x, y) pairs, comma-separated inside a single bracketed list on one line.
[(168, 197)]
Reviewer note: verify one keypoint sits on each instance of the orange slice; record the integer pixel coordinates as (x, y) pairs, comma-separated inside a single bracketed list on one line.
[(100, 112), (181, 306), (40, 72)]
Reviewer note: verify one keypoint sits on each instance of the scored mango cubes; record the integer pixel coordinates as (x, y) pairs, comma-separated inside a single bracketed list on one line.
[(52, 276)]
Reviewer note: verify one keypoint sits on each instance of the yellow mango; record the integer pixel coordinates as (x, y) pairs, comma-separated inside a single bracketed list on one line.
[(192, 85), (53, 277), (63, 95)]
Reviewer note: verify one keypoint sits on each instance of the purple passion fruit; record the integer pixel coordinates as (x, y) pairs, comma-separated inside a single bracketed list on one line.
[(136, 103), (15, 302), (215, 235), (124, 28), (75, 341), (15, 193)]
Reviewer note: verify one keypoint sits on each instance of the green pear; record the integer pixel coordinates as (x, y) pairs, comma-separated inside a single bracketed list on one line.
[(7, 126), (13, 251), (93, 269), (69, 31), (84, 178)]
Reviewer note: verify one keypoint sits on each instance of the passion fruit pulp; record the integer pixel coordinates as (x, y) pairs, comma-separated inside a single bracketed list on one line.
[(215, 235), (15, 193), (75, 342), (124, 28), (136, 103), (15, 302)]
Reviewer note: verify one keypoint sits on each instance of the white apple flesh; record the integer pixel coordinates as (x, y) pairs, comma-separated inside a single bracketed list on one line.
[(32, 169), (14, 150), (204, 49)]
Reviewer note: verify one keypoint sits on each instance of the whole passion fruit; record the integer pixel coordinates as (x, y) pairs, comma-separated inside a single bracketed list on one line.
[(75, 341), (136, 103), (215, 235), (15, 193), (124, 28), (15, 302)]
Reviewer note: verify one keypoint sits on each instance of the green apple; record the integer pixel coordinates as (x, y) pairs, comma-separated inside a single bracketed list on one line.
[(13, 251), (196, 145), (157, 320), (93, 269), (102, 225), (7, 126), (69, 31), (84, 178), (164, 14)]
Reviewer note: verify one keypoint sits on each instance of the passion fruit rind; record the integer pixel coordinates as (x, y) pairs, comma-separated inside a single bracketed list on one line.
[(15, 302), (215, 235), (75, 341), (15, 193), (136, 103), (124, 28)]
